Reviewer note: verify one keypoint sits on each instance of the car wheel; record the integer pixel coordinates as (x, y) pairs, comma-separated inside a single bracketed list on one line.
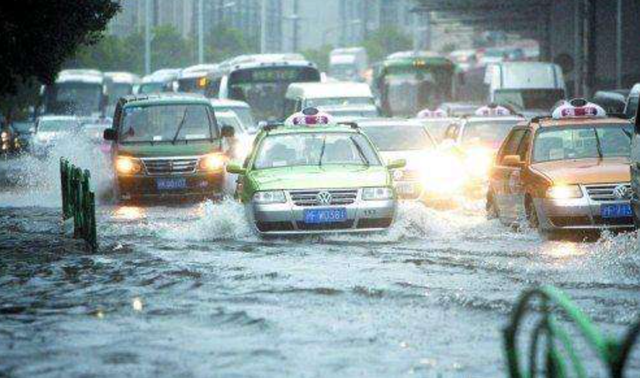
[(491, 208)]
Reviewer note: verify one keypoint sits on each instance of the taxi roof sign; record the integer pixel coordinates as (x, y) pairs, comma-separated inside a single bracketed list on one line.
[(493, 110), (578, 108), (426, 113), (309, 117)]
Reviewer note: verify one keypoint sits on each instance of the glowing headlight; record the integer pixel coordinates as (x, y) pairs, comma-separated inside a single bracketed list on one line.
[(398, 175), (478, 161), (127, 165), (564, 192), (443, 173), (270, 196), (5, 136), (212, 163), (377, 194)]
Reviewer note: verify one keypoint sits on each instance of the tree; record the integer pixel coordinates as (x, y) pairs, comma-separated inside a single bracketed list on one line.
[(224, 42), (319, 56), (37, 36), (385, 41)]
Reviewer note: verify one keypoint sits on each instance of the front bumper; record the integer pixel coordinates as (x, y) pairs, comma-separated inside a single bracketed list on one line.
[(288, 219), (578, 214), (197, 185)]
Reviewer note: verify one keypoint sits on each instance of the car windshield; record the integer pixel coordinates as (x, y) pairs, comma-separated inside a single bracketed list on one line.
[(244, 113), (73, 98), (167, 123), (338, 101), (599, 141), (351, 112), (22, 127), (522, 99), (230, 119), (315, 149), (399, 138), (487, 132), (58, 125), (436, 127)]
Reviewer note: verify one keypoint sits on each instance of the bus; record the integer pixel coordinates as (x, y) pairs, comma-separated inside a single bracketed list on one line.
[(348, 64), (79, 92), (194, 79), (408, 82), (261, 81), (120, 84)]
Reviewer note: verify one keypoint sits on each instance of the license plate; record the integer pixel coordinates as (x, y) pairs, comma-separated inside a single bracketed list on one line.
[(316, 216), (171, 183), (616, 210), (406, 189)]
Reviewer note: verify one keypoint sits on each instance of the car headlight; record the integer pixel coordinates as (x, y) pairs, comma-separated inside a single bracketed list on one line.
[(398, 174), (270, 196), (212, 163), (442, 173), (478, 161), (564, 192), (127, 165), (377, 194), (5, 136)]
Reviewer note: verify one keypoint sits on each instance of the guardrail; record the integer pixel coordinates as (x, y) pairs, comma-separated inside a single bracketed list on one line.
[(78, 202), (611, 353)]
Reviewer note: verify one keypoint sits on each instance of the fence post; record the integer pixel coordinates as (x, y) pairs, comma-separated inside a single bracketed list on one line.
[(78, 202)]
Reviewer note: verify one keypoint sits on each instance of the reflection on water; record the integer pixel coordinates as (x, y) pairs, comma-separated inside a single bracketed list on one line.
[(563, 250), (129, 213)]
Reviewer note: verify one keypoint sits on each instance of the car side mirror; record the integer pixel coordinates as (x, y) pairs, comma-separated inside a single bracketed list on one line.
[(227, 131), (512, 161), (236, 168), (397, 164), (110, 134)]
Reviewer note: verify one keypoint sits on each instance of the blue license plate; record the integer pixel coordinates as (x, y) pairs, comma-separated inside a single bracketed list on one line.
[(317, 216), (171, 183), (616, 210)]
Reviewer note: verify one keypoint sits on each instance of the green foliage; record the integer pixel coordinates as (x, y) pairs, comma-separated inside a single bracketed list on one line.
[(223, 42), (385, 41), (319, 56), (37, 36)]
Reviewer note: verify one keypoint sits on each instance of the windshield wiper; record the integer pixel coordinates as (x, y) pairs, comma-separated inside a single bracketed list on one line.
[(598, 146), (324, 144), (184, 118), (361, 153)]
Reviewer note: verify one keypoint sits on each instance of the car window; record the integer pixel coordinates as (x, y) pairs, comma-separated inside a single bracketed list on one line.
[(399, 138), (487, 132), (315, 149), (164, 123), (512, 143), (523, 148), (582, 142)]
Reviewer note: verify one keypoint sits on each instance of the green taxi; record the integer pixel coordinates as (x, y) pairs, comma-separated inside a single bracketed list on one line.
[(306, 179), (167, 145)]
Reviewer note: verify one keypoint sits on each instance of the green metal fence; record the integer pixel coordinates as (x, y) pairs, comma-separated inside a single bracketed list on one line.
[(78, 202), (560, 357)]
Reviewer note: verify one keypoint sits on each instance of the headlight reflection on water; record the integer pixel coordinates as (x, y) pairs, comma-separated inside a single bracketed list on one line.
[(129, 213), (564, 250)]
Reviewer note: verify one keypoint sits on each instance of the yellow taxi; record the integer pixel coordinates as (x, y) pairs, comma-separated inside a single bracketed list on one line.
[(568, 171)]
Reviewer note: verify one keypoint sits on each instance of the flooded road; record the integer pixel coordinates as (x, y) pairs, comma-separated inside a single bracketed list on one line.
[(189, 291)]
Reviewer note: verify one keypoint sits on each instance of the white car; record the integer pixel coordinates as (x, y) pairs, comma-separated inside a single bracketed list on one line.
[(241, 109), (51, 129)]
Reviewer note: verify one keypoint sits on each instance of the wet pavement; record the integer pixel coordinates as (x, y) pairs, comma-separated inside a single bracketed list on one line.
[(190, 291)]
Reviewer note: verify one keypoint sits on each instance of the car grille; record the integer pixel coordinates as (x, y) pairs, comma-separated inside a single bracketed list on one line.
[(325, 226), (309, 198), (605, 193), (175, 166)]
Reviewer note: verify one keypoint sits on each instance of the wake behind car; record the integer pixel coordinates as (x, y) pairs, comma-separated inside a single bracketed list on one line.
[(567, 172), (51, 130), (167, 145), (314, 176)]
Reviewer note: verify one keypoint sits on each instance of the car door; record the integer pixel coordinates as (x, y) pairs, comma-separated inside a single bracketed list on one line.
[(516, 184), (501, 175)]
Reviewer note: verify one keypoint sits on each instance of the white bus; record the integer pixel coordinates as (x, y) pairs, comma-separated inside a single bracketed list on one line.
[(348, 64), (261, 81), (80, 92)]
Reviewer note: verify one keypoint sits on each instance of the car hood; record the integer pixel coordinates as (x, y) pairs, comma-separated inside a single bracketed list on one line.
[(325, 177), (586, 171), (168, 149)]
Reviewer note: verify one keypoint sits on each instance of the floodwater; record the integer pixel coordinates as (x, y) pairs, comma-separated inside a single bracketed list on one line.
[(190, 291)]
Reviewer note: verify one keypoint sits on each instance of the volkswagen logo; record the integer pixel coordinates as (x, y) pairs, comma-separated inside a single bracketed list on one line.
[(622, 192), (323, 198)]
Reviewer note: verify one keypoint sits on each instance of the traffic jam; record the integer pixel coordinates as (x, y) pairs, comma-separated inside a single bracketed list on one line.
[(313, 220)]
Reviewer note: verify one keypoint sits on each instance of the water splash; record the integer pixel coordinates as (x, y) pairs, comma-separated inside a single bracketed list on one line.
[(37, 181)]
